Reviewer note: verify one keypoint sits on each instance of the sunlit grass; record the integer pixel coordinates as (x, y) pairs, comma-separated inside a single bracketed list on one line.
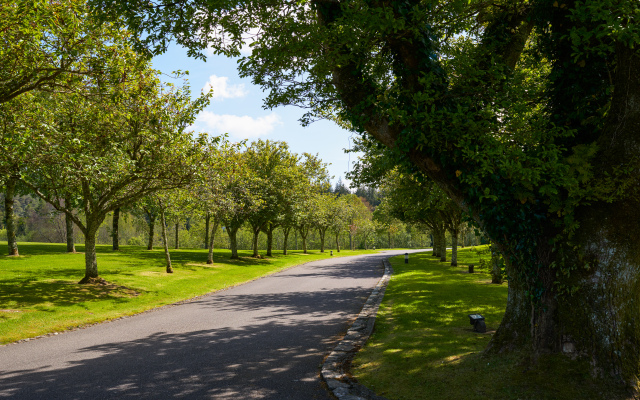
[(423, 346), (39, 292)]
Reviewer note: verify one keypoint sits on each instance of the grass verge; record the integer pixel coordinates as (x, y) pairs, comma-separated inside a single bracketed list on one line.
[(39, 290), (424, 347)]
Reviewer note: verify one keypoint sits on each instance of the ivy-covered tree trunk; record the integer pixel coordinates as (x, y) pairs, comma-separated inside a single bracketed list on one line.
[(115, 229), (285, 232), (210, 243), (207, 221), (165, 242), (233, 241), (9, 216)]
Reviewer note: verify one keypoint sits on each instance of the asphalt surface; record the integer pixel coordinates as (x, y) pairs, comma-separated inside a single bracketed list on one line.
[(262, 340)]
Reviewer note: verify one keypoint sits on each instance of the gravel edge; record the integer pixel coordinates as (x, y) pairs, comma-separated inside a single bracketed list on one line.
[(335, 369)]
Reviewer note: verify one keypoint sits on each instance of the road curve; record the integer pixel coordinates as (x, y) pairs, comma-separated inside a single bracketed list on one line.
[(262, 340)]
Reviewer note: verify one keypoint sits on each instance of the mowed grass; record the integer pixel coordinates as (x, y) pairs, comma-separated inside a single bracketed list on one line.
[(39, 290), (423, 346)]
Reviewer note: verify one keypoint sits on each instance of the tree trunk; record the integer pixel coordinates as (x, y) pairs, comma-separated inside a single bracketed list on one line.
[(210, 243), (443, 246), (350, 241), (115, 233), (9, 215), (90, 258), (389, 238), (177, 235), (71, 247), (286, 237), (165, 243), (435, 251), (207, 221), (254, 243), (454, 249), (322, 232), (152, 227), (270, 230), (304, 240), (337, 242), (233, 242)]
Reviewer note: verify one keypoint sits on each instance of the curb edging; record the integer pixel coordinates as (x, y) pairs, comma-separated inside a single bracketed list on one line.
[(335, 367)]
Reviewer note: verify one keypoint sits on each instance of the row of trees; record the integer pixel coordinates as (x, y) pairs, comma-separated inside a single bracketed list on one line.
[(525, 113)]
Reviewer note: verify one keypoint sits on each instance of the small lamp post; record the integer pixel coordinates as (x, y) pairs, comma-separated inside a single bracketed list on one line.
[(406, 258), (331, 253)]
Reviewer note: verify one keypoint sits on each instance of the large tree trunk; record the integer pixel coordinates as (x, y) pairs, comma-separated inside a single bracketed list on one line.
[(152, 228), (285, 231), (233, 242), (207, 221), (10, 216), (115, 229), (165, 242), (435, 251), (210, 243)]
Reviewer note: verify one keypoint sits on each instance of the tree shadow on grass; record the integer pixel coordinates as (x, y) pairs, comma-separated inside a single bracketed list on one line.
[(30, 292)]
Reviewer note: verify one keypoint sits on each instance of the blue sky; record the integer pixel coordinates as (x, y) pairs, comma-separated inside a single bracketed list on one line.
[(236, 109)]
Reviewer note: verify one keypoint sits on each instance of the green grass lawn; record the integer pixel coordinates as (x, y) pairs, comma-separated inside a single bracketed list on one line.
[(423, 346), (39, 290)]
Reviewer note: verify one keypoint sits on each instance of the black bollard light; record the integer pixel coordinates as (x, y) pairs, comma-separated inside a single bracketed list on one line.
[(406, 258), (331, 253)]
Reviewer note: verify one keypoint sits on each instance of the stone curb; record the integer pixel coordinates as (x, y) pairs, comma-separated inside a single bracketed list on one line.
[(335, 370)]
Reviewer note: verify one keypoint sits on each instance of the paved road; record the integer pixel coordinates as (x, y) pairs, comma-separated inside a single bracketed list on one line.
[(262, 340)]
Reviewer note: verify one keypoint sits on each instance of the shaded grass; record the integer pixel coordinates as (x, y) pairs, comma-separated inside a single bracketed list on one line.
[(424, 347), (39, 292)]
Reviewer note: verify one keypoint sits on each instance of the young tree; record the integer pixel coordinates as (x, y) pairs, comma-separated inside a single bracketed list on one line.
[(112, 153)]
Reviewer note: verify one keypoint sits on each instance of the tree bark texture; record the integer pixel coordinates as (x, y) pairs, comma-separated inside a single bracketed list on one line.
[(115, 229), (321, 233), (165, 243), (270, 230), (254, 242), (9, 215), (443, 245), (338, 242)]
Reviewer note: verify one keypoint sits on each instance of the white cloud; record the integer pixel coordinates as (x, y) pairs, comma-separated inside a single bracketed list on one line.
[(240, 127), (222, 89)]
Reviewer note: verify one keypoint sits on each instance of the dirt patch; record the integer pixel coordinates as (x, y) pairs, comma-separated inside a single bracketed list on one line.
[(100, 287)]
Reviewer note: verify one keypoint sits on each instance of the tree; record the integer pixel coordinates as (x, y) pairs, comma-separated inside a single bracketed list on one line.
[(525, 113), (50, 45), (106, 154)]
